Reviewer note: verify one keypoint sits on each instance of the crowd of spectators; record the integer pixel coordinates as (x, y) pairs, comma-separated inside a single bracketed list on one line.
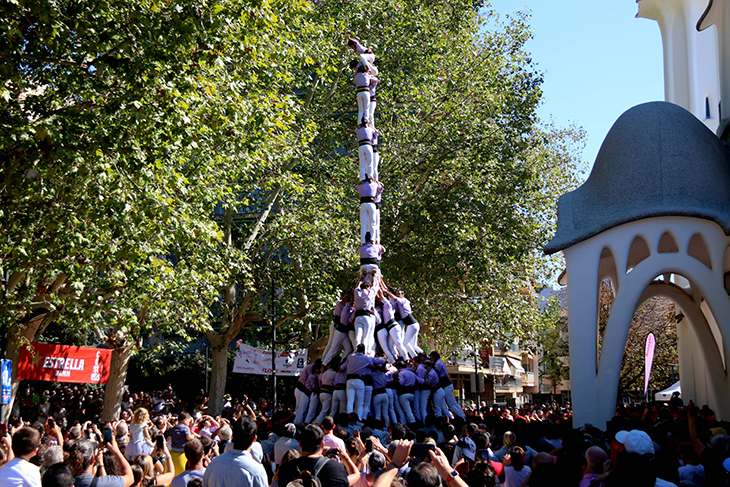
[(57, 440)]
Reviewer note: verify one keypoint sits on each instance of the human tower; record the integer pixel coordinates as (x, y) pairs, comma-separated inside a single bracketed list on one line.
[(370, 314)]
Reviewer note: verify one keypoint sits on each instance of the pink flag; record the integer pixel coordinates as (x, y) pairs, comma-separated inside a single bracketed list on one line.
[(648, 359)]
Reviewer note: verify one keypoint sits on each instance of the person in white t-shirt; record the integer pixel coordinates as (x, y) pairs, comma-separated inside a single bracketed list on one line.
[(19, 472)]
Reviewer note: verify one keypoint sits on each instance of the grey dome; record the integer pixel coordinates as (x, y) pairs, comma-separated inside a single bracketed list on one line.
[(657, 160)]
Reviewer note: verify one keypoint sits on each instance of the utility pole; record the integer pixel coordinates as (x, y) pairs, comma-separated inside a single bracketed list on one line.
[(273, 342)]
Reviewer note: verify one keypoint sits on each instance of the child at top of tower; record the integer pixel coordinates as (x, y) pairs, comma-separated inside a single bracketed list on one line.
[(365, 54)]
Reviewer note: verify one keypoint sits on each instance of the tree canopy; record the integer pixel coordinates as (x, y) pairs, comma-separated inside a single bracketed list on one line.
[(165, 162)]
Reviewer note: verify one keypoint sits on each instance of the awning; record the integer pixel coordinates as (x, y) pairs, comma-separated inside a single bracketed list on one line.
[(517, 365)]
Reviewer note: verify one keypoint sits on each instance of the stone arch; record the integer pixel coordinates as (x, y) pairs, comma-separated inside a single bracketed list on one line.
[(636, 288)]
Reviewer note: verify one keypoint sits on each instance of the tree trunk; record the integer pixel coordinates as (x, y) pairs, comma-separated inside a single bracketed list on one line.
[(218, 374), (121, 353), (17, 335)]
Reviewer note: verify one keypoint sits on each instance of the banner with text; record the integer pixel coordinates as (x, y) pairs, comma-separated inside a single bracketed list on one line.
[(64, 363), (250, 360)]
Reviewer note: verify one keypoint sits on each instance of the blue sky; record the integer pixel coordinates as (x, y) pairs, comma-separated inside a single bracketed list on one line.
[(597, 58)]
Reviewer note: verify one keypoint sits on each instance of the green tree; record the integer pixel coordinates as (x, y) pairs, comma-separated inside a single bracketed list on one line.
[(123, 125)]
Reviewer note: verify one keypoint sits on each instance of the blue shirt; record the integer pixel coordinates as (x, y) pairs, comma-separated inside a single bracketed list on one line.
[(235, 468), (440, 368), (185, 477)]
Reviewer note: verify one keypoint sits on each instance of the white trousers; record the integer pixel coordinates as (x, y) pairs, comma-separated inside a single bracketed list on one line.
[(380, 407), (364, 326), (371, 113), (423, 395), (330, 340), (376, 161), (367, 58), (394, 405), (369, 221), (396, 336), (451, 402), (439, 404), (406, 402), (365, 155), (302, 401), (313, 408), (411, 339), (341, 340), (363, 105), (366, 403), (339, 402), (386, 345), (355, 397), (325, 399)]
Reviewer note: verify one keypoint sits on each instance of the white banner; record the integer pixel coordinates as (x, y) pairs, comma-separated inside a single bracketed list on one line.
[(251, 360)]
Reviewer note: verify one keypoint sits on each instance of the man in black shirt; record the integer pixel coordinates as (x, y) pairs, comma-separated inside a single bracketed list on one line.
[(333, 474)]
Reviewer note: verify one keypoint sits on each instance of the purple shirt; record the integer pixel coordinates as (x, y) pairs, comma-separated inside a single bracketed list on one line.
[(363, 79), (404, 307), (365, 298), (358, 364), (440, 368), (432, 378), (370, 190), (364, 133), (387, 311), (306, 372), (346, 314), (370, 66), (359, 48), (341, 377), (338, 307), (374, 140), (371, 251), (311, 383), (379, 379), (328, 377), (373, 84), (407, 378), (421, 371)]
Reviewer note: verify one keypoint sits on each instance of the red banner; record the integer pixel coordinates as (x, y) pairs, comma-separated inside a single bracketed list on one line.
[(63, 363)]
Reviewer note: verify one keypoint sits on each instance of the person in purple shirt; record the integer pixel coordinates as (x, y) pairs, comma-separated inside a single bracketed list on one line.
[(423, 391), (409, 324), (364, 134), (365, 54), (314, 403), (385, 312), (335, 321), (370, 255), (432, 379), (368, 190), (376, 155), (339, 396), (446, 385), (342, 330), (408, 381), (357, 366), (371, 107), (302, 392), (327, 388), (380, 396), (365, 294), (363, 79)]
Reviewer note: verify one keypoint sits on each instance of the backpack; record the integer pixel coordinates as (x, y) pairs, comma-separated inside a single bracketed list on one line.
[(307, 478)]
